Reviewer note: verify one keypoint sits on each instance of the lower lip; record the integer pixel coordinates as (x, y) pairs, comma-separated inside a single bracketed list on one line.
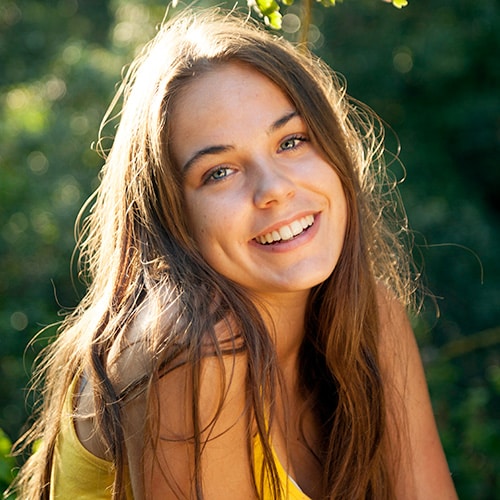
[(285, 246)]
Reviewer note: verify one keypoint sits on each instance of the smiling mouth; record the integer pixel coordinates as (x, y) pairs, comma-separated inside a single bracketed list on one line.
[(286, 232)]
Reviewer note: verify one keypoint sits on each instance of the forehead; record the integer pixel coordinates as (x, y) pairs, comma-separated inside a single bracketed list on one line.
[(226, 81), (224, 100)]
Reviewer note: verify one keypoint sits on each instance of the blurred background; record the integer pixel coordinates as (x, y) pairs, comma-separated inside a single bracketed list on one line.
[(430, 70)]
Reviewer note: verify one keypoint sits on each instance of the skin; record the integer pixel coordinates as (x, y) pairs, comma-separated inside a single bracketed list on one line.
[(250, 170), (421, 469)]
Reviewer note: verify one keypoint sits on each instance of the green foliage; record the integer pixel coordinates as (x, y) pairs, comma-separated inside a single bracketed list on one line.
[(398, 3), (270, 10), (53, 92), (429, 70), (431, 74), (7, 463), (432, 77)]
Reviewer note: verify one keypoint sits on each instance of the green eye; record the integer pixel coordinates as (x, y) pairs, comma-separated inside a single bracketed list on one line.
[(218, 174), (289, 144), (292, 143)]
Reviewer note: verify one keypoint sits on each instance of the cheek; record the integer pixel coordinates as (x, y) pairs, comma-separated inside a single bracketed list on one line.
[(340, 204), (196, 220), (206, 229), (199, 229), (337, 192), (213, 218)]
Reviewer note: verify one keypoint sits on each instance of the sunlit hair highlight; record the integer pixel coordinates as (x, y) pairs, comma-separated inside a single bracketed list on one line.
[(138, 256)]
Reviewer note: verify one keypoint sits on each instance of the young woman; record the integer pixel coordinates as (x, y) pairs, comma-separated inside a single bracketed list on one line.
[(244, 334)]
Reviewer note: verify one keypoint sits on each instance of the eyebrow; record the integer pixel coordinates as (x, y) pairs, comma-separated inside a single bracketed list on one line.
[(217, 149), (210, 150), (281, 122)]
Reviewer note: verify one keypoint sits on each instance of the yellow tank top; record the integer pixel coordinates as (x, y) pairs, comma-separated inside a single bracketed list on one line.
[(291, 490), (78, 474)]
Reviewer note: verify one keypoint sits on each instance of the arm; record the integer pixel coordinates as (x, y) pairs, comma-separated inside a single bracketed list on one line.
[(422, 471), (167, 470)]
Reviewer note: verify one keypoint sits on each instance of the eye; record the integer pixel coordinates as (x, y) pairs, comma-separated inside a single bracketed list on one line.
[(217, 174), (292, 143)]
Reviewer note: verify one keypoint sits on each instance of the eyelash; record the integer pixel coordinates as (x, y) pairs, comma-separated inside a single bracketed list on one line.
[(299, 139), (209, 177)]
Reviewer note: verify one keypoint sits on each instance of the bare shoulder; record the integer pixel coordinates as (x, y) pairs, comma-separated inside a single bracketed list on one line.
[(422, 469), (397, 341), (202, 416), (127, 365), (204, 398)]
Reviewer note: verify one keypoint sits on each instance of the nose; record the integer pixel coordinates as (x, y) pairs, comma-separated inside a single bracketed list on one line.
[(273, 185)]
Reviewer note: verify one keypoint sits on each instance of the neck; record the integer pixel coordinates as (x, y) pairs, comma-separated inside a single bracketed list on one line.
[(285, 317)]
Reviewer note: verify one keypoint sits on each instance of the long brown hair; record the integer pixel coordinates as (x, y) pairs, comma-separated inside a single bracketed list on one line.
[(136, 249)]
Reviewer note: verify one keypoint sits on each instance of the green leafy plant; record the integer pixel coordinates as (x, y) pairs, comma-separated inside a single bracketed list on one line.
[(7, 462), (269, 10)]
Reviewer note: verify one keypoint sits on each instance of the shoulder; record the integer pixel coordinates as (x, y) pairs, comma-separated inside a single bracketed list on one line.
[(396, 338), (190, 416), (152, 367), (126, 369), (199, 429), (421, 470)]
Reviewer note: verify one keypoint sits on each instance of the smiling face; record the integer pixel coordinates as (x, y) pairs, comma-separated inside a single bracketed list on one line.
[(265, 209)]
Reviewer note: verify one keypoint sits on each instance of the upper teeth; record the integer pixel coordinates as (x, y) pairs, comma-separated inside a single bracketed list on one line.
[(287, 232)]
